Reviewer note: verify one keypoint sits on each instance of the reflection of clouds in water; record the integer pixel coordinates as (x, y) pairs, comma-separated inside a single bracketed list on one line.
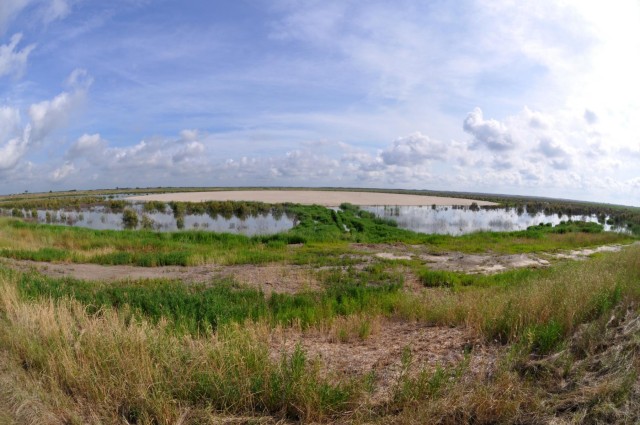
[(100, 218), (439, 220), (458, 221)]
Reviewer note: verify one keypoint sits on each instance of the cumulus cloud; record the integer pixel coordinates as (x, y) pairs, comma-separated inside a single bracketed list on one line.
[(89, 146), (412, 150), (12, 59), (179, 155), (303, 163), (9, 122), (62, 172), (189, 151), (49, 115), (550, 149), (13, 150), (13, 139), (490, 134), (17, 139)]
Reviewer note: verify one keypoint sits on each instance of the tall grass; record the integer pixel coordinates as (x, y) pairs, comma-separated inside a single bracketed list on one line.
[(539, 309), (113, 368)]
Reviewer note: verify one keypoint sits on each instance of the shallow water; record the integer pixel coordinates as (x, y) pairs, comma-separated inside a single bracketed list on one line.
[(101, 218), (426, 219), (459, 221)]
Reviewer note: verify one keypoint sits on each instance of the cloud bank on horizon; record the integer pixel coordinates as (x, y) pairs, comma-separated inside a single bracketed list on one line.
[(500, 96)]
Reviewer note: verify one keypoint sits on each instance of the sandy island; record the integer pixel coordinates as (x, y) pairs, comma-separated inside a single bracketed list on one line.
[(309, 197)]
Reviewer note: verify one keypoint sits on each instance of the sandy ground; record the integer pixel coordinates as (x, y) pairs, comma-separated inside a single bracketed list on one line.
[(326, 198)]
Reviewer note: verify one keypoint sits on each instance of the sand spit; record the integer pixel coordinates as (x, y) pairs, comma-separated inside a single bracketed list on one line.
[(309, 197)]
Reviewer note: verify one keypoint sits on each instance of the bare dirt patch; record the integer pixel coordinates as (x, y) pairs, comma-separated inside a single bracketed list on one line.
[(453, 261), (475, 263), (270, 278), (581, 254), (482, 264), (381, 353), (318, 197)]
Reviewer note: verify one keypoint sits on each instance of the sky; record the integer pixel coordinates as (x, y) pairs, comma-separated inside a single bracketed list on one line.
[(529, 98)]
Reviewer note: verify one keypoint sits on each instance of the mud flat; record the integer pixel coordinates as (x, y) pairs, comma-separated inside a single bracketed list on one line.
[(309, 197)]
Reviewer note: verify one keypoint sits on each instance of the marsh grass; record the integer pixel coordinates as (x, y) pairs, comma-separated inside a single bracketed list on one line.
[(538, 308), (101, 361)]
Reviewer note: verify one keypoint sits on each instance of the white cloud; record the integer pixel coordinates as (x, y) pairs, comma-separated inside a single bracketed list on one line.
[(89, 146), (413, 150), (191, 150), (13, 138), (491, 134), (9, 122), (13, 150), (178, 156), (18, 139), (62, 172), (550, 149), (12, 59), (49, 115)]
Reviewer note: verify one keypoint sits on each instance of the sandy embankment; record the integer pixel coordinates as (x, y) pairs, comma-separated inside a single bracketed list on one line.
[(326, 198)]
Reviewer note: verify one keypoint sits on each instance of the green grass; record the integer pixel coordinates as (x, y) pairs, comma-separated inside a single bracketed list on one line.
[(197, 308), (458, 280)]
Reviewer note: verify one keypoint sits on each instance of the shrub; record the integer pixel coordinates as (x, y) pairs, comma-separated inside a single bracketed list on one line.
[(130, 219)]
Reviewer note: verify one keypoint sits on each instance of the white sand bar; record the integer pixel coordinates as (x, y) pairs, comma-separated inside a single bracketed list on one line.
[(309, 197)]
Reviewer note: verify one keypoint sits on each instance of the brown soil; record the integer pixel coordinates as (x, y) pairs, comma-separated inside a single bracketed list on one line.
[(381, 352), (269, 278)]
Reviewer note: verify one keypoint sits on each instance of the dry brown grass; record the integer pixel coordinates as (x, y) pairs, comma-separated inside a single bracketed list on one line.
[(105, 367)]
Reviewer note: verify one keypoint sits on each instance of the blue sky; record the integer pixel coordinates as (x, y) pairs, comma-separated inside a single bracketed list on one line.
[(538, 98)]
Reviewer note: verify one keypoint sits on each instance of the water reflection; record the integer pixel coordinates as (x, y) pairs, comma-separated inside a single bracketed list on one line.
[(432, 219), (458, 220), (102, 218)]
